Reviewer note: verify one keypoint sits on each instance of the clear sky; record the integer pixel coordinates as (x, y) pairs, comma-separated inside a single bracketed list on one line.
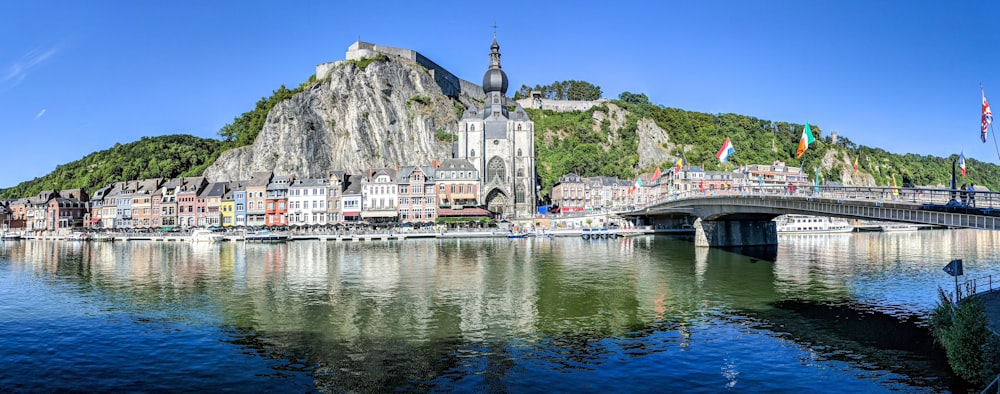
[(77, 77)]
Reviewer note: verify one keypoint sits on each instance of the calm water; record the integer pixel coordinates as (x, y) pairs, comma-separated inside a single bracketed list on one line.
[(834, 313)]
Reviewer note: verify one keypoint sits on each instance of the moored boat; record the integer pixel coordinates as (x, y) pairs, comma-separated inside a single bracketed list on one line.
[(891, 227), (266, 236), (10, 237), (204, 235), (77, 237), (804, 224)]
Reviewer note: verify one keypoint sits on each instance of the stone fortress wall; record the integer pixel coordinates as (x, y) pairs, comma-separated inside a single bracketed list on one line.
[(536, 102), (450, 84)]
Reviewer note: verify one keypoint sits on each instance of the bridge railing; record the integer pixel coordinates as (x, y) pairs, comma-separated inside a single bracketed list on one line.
[(935, 197)]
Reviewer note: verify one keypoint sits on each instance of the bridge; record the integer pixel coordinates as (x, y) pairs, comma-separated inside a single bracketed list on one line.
[(743, 217)]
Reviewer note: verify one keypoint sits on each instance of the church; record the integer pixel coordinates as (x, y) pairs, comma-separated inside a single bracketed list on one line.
[(499, 140)]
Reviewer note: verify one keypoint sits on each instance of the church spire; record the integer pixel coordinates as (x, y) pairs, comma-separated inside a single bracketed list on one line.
[(495, 53)]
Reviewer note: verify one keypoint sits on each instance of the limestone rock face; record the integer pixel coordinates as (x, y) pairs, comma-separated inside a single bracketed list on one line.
[(653, 144), (842, 161), (385, 115)]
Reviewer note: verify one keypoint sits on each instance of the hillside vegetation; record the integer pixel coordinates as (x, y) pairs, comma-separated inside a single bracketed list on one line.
[(576, 142), (565, 142), (151, 157)]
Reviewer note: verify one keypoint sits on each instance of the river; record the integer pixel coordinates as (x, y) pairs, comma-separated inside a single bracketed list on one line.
[(833, 313)]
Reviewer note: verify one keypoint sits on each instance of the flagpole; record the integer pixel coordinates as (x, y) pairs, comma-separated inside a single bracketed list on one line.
[(995, 141)]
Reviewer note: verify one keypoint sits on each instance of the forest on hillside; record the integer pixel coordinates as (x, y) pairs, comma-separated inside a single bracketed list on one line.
[(166, 156), (567, 142)]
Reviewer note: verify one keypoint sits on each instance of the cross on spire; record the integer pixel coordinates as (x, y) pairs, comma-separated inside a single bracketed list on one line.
[(494, 30)]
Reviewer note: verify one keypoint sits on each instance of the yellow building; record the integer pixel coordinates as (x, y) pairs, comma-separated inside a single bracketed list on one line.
[(227, 209)]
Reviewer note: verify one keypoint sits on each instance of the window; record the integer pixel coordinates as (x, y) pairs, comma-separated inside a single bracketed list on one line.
[(473, 154), (496, 170), (270, 206), (519, 149), (520, 172), (519, 194)]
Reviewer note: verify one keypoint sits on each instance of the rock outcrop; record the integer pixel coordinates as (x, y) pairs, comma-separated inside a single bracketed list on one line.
[(385, 114)]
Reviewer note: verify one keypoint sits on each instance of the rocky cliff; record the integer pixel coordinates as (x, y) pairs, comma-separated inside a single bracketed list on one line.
[(382, 114)]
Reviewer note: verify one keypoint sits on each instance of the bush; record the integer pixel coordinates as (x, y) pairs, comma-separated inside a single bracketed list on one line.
[(971, 347)]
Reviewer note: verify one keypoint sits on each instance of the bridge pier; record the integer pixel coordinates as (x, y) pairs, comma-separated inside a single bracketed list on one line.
[(732, 233)]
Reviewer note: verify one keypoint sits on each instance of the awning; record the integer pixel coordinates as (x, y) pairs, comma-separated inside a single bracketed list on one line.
[(379, 214), (466, 212), (95, 220), (352, 214)]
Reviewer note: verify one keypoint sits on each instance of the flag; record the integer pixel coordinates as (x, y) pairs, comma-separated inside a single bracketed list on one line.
[(807, 138), (638, 184), (961, 163), (726, 150), (855, 165), (656, 175), (680, 162), (987, 115), (895, 191)]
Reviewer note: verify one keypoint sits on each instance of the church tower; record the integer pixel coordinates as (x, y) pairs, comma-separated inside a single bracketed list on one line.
[(500, 141)]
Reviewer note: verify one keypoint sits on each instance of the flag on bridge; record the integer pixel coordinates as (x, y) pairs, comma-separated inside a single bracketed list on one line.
[(987, 119), (680, 162), (961, 162), (726, 150), (855, 165), (807, 138)]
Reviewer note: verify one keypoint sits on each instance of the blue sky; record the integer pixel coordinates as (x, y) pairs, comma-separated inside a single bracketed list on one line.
[(79, 76)]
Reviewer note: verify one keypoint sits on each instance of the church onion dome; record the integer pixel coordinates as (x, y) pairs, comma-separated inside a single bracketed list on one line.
[(495, 80)]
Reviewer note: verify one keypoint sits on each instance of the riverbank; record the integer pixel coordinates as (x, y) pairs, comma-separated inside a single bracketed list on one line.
[(372, 235)]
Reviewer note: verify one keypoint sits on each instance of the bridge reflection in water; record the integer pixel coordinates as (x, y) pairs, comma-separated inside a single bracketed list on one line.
[(744, 217)]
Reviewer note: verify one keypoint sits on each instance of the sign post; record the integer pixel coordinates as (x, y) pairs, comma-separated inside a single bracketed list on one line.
[(954, 268)]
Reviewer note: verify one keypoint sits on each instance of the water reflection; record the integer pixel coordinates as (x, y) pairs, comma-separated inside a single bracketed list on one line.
[(470, 315)]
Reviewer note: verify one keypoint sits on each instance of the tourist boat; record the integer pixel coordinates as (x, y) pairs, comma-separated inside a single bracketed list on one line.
[(204, 235), (266, 236), (804, 224), (516, 235)]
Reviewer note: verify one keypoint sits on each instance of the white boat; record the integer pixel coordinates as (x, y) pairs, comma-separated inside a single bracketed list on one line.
[(804, 224), (889, 227), (10, 237), (77, 237), (104, 237), (203, 235), (266, 236)]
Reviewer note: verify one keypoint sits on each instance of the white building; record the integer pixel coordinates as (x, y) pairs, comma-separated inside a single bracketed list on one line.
[(307, 201)]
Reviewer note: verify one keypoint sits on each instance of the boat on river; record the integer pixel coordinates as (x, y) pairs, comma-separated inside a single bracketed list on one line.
[(266, 236), (10, 237), (77, 237), (205, 235), (805, 224), (892, 227)]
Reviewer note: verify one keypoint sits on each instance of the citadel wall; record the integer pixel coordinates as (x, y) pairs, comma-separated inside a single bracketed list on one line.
[(449, 83)]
